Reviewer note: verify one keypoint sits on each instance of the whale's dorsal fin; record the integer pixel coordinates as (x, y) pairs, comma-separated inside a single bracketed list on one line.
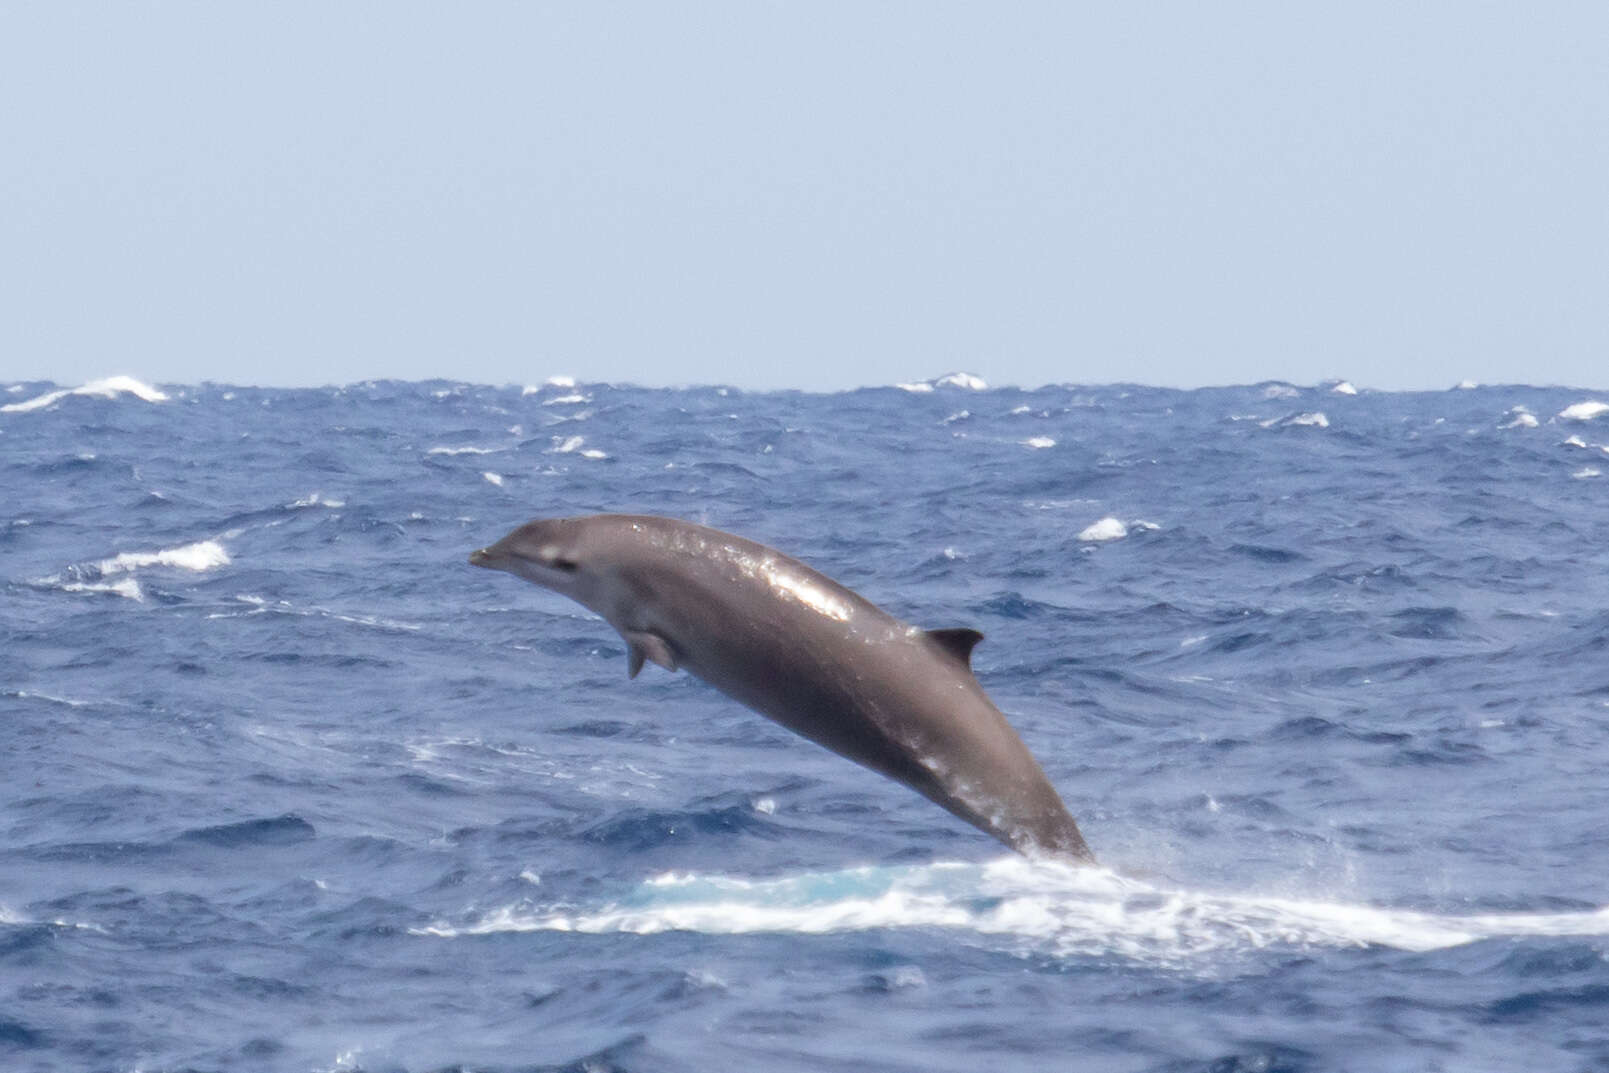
[(641, 645), (958, 642)]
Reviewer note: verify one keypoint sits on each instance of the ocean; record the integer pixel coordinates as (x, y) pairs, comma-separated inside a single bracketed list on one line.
[(1323, 673)]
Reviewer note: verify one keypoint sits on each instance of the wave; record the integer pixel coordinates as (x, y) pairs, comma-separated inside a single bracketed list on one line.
[(1110, 528), (126, 587), (48, 698), (572, 445), (201, 556), (1106, 529), (104, 576), (109, 388), (270, 831), (257, 605), (465, 450), (1036, 907), (964, 381), (550, 382), (1584, 411), (317, 499), (1314, 419)]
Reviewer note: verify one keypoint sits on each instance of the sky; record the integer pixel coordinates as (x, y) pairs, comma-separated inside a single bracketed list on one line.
[(805, 195)]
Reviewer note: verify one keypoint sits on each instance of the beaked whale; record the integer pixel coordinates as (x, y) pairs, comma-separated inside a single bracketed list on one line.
[(805, 651)]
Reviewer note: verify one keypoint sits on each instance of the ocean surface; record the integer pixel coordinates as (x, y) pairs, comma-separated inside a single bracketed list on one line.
[(285, 784)]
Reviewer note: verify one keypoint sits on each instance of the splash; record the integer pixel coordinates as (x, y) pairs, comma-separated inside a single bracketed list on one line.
[(1028, 907)]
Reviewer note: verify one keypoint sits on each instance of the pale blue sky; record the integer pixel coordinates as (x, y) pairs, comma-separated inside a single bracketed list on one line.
[(810, 195)]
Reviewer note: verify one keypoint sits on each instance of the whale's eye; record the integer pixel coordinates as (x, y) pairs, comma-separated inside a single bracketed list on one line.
[(569, 566)]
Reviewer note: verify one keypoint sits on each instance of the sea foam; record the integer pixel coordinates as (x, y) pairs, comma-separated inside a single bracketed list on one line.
[(1026, 906)]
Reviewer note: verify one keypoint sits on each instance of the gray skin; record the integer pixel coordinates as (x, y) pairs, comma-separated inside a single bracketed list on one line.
[(801, 649)]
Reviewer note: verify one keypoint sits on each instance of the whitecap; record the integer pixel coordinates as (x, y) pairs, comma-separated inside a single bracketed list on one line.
[(572, 445), (564, 400), (127, 587), (1585, 472), (109, 388), (1467, 385), (1280, 391), (916, 387), (13, 918), (201, 556), (1316, 419), (964, 381), (465, 450), (495, 478), (1584, 411), (1520, 417), (1107, 528), (316, 500), (562, 383), (1343, 388), (1039, 442)]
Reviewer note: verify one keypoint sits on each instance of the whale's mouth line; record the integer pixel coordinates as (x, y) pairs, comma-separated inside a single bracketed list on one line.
[(481, 557)]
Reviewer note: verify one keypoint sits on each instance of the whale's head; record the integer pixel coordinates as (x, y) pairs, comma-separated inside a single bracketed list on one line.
[(549, 552)]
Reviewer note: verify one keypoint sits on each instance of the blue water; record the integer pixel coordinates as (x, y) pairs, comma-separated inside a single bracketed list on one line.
[(288, 785)]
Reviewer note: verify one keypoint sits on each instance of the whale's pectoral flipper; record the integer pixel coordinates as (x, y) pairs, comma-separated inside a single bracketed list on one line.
[(641, 645), (958, 642)]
